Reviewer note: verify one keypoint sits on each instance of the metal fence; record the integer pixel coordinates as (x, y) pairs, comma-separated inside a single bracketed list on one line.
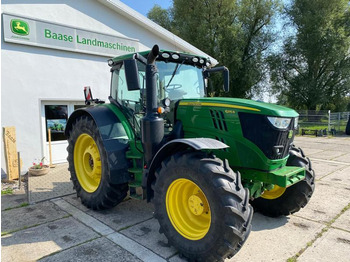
[(326, 121)]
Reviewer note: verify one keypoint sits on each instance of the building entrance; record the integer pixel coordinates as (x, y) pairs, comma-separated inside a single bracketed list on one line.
[(54, 117)]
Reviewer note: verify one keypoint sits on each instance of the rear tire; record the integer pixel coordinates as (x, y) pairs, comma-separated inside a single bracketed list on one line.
[(201, 206), (90, 173), (293, 198)]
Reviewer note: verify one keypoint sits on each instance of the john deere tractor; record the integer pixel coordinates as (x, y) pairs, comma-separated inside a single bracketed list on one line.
[(203, 161)]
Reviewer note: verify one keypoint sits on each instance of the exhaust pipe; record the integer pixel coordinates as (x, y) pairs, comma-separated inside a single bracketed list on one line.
[(152, 125)]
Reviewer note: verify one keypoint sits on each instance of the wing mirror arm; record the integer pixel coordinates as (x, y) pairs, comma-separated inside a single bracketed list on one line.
[(225, 73)]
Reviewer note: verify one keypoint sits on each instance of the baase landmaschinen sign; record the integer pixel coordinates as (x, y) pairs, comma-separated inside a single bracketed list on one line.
[(28, 31)]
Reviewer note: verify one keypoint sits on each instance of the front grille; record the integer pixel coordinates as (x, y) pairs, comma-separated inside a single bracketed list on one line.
[(273, 142)]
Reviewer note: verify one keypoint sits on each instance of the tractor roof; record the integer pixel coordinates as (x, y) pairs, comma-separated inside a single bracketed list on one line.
[(170, 56)]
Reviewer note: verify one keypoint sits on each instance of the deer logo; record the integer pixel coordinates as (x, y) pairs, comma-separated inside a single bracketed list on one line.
[(19, 27)]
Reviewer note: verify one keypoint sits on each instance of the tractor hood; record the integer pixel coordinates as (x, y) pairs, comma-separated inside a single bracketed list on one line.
[(241, 105)]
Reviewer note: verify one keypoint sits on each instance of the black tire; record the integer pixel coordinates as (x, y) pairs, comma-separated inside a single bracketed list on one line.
[(231, 213), (347, 129), (107, 195), (296, 196)]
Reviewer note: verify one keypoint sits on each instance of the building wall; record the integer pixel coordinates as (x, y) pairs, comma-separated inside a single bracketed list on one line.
[(31, 75)]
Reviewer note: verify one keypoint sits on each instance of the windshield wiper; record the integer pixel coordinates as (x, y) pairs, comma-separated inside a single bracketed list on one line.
[(175, 70)]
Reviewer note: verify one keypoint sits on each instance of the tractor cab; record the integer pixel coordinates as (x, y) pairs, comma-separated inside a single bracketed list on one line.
[(179, 76)]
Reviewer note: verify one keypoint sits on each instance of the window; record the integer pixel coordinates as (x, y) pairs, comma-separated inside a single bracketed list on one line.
[(56, 119), (175, 81), (128, 99), (180, 81)]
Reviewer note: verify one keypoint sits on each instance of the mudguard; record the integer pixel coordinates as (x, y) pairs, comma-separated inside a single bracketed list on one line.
[(171, 148), (114, 137)]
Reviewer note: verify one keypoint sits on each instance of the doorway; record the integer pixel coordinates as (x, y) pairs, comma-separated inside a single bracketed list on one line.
[(54, 116)]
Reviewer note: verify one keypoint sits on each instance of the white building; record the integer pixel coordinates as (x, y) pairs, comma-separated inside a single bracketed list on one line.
[(50, 50)]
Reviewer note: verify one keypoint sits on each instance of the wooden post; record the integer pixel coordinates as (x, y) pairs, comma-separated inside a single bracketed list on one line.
[(19, 170), (50, 150), (12, 161), (49, 131)]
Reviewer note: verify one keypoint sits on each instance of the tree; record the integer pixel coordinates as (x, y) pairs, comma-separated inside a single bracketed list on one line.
[(313, 69), (160, 16), (236, 33)]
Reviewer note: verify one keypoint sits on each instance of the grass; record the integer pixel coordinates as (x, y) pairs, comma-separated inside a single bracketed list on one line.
[(21, 205), (7, 191), (16, 230), (317, 126), (323, 124)]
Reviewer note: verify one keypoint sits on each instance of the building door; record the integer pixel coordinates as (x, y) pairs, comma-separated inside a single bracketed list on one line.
[(54, 117)]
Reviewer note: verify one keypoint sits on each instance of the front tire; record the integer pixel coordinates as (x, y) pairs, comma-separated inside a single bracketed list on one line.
[(201, 206), (285, 201), (89, 169)]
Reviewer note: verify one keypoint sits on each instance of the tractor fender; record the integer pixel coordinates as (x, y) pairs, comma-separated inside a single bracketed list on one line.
[(173, 147), (114, 137)]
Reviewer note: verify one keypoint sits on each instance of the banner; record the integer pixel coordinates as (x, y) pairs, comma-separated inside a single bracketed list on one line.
[(28, 31)]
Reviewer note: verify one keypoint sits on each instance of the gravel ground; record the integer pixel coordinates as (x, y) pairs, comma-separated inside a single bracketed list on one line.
[(14, 184)]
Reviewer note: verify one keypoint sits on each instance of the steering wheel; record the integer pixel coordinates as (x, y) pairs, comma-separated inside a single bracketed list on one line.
[(173, 87)]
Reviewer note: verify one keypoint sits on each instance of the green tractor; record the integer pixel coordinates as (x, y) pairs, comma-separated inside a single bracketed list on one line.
[(203, 161)]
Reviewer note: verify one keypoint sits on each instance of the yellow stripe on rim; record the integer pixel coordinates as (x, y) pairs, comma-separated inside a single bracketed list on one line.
[(183, 103)]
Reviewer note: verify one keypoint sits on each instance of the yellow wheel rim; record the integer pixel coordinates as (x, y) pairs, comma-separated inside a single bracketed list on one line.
[(87, 162), (274, 193), (188, 209)]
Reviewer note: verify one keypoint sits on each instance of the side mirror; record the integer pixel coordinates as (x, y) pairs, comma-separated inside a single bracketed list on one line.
[(132, 74), (225, 73)]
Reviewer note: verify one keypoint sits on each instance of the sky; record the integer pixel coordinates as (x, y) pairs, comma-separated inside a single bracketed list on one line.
[(143, 6)]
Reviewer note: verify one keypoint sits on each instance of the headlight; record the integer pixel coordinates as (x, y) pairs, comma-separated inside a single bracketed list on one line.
[(279, 122), (296, 122)]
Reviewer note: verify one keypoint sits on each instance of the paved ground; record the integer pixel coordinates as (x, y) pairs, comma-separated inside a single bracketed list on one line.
[(56, 183), (63, 230)]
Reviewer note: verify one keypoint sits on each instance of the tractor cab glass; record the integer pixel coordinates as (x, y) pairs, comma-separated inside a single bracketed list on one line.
[(127, 98), (179, 81), (175, 81)]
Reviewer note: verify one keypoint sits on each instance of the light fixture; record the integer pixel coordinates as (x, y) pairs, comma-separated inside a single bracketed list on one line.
[(279, 122), (166, 102), (165, 55), (296, 120)]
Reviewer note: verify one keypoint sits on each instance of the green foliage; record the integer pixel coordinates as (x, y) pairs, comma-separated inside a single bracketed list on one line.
[(236, 33), (7, 191), (160, 16), (313, 69)]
